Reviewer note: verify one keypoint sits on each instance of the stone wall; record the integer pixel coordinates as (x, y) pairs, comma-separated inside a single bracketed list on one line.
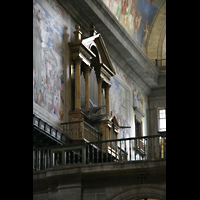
[(145, 179)]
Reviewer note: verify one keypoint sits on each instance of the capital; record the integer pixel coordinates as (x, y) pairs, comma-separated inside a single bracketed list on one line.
[(77, 60)]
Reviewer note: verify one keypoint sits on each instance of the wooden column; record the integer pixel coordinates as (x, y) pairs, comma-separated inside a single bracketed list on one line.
[(107, 100), (99, 94), (78, 83), (87, 88)]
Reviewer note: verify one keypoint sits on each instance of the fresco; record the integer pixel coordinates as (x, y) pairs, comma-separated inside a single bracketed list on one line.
[(48, 62), (136, 16), (59, 10), (119, 105), (137, 99)]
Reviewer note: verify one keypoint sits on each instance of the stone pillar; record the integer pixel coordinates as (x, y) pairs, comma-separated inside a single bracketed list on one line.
[(87, 88), (99, 94), (78, 83), (107, 100)]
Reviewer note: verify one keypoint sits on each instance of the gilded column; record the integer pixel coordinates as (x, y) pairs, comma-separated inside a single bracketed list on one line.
[(78, 83), (99, 94), (87, 88), (107, 100)]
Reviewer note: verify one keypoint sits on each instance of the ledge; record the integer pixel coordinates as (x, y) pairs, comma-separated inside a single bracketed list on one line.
[(121, 167), (139, 114)]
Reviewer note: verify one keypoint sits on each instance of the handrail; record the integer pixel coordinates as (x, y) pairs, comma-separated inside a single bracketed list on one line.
[(71, 122), (117, 150), (81, 130), (157, 62), (92, 127)]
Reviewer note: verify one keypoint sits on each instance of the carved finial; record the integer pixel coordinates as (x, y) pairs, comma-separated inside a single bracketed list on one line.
[(77, 33), (93, 31), (77, 27)]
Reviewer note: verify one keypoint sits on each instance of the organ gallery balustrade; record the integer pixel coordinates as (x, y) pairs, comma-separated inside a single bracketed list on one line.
[(118, 150)]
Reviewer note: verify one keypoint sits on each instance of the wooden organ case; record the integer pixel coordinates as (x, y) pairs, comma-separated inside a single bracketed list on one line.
[(90, 73)]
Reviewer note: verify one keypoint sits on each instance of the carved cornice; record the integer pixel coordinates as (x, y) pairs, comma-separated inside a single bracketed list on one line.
[(139, 114), (105, 78), (79, 50)]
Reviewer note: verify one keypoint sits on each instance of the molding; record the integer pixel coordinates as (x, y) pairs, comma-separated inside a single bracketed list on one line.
[(139, 114)]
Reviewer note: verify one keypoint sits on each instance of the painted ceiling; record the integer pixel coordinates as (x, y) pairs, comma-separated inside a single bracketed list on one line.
[(136, 16)]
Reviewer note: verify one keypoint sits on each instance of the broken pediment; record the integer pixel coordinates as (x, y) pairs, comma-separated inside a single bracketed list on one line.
[(115, 123), (96, 44)]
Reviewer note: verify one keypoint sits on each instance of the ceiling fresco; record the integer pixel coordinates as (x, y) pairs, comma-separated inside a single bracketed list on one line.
[(136, 16)]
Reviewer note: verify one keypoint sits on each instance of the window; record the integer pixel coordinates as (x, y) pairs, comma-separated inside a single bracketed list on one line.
[(162, 120)]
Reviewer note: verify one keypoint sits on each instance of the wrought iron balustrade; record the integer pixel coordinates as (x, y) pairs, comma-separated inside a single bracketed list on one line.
[(159, 62), (40, 126), (118, 150)]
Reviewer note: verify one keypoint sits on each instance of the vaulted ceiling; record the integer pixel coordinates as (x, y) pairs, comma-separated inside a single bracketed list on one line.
[(145, 21)]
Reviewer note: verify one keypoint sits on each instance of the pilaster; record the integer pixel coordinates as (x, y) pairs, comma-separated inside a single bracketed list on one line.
[(78, 83), (107, 100), (100, 93), (87, 87)]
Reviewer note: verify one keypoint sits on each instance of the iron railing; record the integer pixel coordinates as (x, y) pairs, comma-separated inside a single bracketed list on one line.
[(159, 62), (118, 150), (48, 130)]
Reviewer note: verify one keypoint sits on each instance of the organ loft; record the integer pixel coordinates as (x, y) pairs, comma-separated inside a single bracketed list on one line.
[(90, 73)]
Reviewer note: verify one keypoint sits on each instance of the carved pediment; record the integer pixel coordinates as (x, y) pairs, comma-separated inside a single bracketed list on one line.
[(115, 123), (97, 46)]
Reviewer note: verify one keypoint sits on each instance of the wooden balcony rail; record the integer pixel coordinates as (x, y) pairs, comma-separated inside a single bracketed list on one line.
[(81, 130), (118, 150)]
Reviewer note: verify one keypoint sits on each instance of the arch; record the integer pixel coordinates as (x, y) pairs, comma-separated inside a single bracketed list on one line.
[(141, 191), (94, 49), (157, 34)]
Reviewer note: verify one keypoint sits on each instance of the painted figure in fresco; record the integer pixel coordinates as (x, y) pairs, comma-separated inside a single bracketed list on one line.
[(134, 98), (137, 24), (140, 101), (130, 19), (48, 74), (151, 1), (38, 15), (127, 12), (119, 12), (40, 98), (146, 33), (123, 11), (48, 85), (115, 8), (110, 4), (54, 4)]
